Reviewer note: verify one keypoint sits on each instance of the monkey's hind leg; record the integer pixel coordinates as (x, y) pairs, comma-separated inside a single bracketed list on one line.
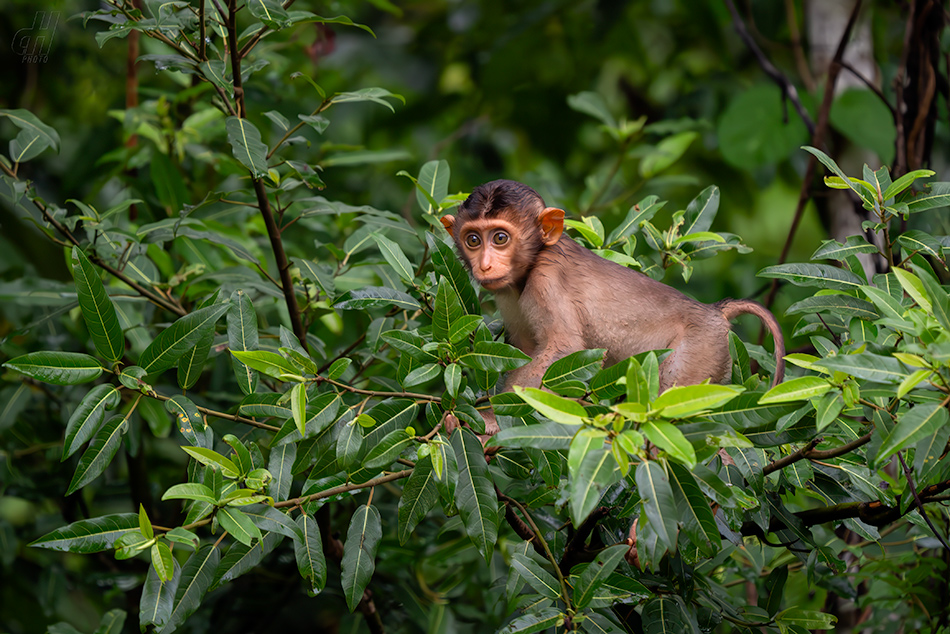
[(695, 359)]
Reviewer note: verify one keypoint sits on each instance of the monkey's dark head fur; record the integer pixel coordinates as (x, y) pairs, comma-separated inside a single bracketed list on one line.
[(496, 197)]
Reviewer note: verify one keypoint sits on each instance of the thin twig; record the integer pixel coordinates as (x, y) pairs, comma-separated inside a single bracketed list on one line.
[(344, 488), (920, 505)]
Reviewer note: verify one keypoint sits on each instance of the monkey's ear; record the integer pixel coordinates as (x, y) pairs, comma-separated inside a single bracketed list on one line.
[(552, 225), (449, 223)]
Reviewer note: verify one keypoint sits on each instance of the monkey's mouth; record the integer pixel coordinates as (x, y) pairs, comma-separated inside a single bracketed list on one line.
[(492, 284)]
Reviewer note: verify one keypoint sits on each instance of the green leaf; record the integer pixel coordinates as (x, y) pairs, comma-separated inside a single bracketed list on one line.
[(388, 449), (374, 297), (98, 311), (240, 558), (279, 464), (693, 510), (190, 491), (658, 502), (271, 520), (805, 619), (939, 298), (682, 401), (464, 326), (270, 363), (34, 137), (196, 577), (162, 560), (889, 307), (318, 273), (393, 254), (446, 310), (558, 409), (834, 250), (239, 525), (926, 201), (904, 182), (641, 212), (701, 212), (543, 436), (596, 573), (419, 495), (433, 184), (666, 615), (537, 577), (409, 343), (593, 104), (597, 471), (192, 362), (190, 422), (539, 620), (100, 453), (86, 419), (89, 536), (158, 596), (577, 366), (921, 421), (242, 336), (495, 356), (843, 305), (309, 553), (800, 389), (375, 95), (173, 342), (862, 189), (213, 459), (915, 241), (246, 145), (475, 493), (58, 368), (814, 275), (913, 287), (671, 440), (447, 265), (359, 553), (349, 442), (666, 153), (298, 405), (866, 365)]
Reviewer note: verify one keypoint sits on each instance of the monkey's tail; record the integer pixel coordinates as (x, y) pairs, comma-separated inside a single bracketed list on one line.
[(732, 308)]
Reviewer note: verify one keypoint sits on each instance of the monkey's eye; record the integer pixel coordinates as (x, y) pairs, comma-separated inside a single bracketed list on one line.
[(472, 241), (500, 238)]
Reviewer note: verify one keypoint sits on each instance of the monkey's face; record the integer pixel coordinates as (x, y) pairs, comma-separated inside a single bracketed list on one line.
[(488, 248)]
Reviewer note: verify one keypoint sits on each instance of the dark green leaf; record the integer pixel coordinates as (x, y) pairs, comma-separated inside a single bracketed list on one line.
[(693, 510), (309, 553), (196, 577), (597, 471), (98, 311), (242, 336), (58, 368), (814, 275), (495, 356), (89, 536), (238, 525), (100, 453), (86, 419), (173, 342), (359, 553), (542, 581), (596, 573), (475, 493), (374, 297), (155, 605), (658, 502), (543, 436), (246, 144)]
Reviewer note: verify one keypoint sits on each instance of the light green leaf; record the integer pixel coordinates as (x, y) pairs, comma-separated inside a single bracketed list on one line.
[(800, 389), (393, 255), (557, 408), (190, 491), (671, 440), (238, 525), (543, 436), (681, 401), (214, 459)]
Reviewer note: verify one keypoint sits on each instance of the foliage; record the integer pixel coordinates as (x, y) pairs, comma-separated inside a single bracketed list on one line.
[(264, 383)]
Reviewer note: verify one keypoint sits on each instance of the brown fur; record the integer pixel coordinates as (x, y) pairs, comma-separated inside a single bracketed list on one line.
[(556, 297)]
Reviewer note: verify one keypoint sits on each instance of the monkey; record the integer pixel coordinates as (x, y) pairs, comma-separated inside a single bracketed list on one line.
[(557, 297)]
